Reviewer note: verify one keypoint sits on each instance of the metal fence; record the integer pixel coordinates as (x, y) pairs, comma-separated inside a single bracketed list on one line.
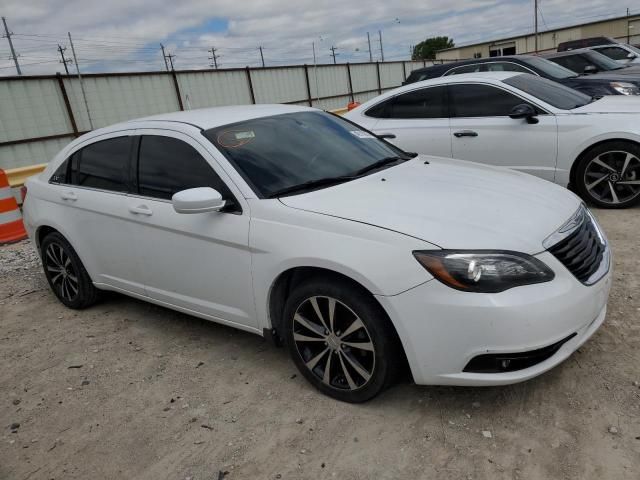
[(41, 114)]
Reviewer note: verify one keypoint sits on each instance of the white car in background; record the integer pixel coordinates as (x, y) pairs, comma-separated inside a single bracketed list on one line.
[(620, 52), (290, 222), (520, 121)]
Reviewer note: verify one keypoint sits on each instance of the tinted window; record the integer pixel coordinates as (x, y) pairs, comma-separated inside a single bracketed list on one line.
[(283, 151), (380, 110), (102, 165), (424, 103), (616, 53), (549, 91), (549, 69), (168, 165), (505, 67), (474, 100), (576, 63), (60, 175)]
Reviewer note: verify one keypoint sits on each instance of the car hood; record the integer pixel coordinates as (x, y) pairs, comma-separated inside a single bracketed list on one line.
[(612, 104), (450, 203)]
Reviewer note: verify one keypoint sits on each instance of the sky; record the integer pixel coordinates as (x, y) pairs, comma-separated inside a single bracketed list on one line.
[(125, 35)]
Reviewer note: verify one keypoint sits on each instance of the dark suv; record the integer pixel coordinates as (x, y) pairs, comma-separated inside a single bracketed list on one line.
[(593, 85), (585, 61)]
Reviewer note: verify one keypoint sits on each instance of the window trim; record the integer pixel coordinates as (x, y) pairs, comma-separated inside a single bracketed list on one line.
[(446, 74), (543, 111), (393, 97), (87, 143), (238, 206)]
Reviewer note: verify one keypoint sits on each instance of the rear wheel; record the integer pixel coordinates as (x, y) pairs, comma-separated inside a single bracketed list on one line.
[(65, 273), (340, 339), (608, 176)]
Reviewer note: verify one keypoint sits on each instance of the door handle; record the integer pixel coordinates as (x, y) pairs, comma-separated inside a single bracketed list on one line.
[(70, 196), (386, 135), (465, 133), (141, 210)]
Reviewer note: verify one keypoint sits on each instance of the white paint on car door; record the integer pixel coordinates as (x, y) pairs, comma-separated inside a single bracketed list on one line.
[(482, 131), (199, 262)]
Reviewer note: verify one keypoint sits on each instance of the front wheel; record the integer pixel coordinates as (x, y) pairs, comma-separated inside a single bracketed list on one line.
[(340, 339), (608, 176)]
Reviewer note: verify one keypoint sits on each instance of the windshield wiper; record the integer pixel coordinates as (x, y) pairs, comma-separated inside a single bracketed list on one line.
[(321, 182), (380, 163)]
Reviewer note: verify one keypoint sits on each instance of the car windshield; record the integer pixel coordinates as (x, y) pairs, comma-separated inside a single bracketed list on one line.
[(549, 68), (309, 148), (549, 91), (602, 61)]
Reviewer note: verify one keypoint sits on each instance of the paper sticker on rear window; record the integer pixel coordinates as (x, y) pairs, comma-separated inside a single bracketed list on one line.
[(361, 134), (245, 135)]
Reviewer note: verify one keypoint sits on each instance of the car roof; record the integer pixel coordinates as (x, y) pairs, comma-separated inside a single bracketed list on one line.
[(448, 65), (566, 53), (462, 77), (206, 118)]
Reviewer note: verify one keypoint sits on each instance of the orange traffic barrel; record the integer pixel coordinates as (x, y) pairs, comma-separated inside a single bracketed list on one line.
[(11, 226)]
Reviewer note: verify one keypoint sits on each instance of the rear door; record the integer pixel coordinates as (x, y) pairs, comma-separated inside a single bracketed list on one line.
[(481, 131), (198, 262), (418, 119), (92, 187)]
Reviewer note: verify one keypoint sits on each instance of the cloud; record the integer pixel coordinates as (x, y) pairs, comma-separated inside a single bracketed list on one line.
[(120, 35)]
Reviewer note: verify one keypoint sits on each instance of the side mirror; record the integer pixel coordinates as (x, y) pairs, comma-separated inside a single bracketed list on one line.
[(590, 69), (524, 110), (198, 200), (631, 55)]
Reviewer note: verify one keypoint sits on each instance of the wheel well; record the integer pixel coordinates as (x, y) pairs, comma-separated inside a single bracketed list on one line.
[(43, 232), (574, 166), (285, 283)]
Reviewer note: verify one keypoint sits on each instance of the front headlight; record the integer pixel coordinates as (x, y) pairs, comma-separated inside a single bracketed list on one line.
[(485, 271), (625, 88)]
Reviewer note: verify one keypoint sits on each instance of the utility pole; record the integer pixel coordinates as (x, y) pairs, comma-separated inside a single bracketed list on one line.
[(164, 57), (261, 56), (535, 23), (381, 50), (84, 94), (13, 52), (64, 60), (214, 58), (369, 42), (333, 54), (628, 28), (170, 57), (315, 71)]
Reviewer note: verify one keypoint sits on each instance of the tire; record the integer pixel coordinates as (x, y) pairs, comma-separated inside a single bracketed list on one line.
[(370, 351), (606, 175), (66, 274)]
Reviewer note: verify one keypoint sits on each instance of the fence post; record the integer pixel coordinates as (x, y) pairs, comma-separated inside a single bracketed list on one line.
[(65, 97), (306, 76), (253, 97), (350, 83), (177, 87), (379, 82)]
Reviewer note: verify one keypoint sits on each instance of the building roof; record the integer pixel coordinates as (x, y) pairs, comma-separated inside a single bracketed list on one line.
[(551, 30)]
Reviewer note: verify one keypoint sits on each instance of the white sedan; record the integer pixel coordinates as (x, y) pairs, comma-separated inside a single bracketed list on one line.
[(519, 121), (293, 223)]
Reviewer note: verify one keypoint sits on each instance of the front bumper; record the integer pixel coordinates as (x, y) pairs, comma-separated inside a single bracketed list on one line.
[(442, 329)]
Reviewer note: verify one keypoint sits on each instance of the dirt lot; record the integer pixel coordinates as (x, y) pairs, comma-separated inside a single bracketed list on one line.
[(129, 390)]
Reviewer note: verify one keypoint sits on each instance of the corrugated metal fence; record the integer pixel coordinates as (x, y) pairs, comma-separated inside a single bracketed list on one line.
[(41, 114)]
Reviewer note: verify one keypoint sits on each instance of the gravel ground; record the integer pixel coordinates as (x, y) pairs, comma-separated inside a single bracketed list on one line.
[(130, 390)]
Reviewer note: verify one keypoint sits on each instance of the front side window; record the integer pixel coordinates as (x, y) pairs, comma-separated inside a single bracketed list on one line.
[(575, 63), (167, 165), (102, 165), (477, 100), (548, 68), (285, 151), (616, 53)]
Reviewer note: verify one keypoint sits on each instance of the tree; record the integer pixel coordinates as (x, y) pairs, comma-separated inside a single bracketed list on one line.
[(427, 50)]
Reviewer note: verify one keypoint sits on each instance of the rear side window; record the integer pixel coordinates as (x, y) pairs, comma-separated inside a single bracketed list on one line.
[(423, 103), (476, 100), (167, 165), (102, 165)]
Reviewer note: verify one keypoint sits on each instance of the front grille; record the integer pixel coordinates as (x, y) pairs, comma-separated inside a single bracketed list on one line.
[(583, 250)]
